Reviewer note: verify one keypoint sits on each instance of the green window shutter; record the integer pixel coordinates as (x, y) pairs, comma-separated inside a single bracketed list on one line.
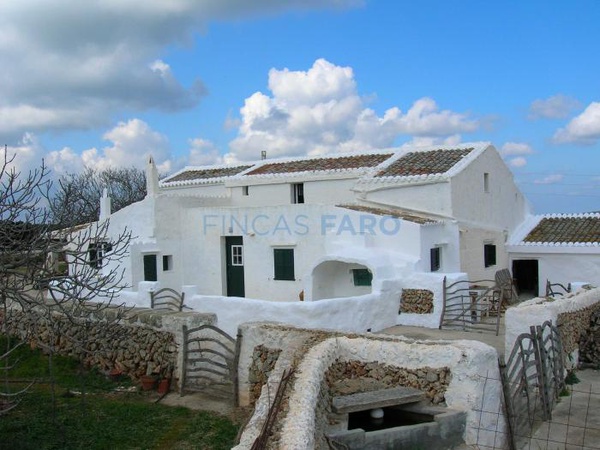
[(362, 277), (283, 259)]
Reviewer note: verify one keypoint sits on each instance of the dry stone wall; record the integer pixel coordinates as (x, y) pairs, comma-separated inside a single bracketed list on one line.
[(137, 343), (589, 342), (416, 301), (574, 325), (263, 362)]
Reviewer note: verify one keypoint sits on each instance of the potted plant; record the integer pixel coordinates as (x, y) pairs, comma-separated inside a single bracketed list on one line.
[(164, 384), (148, 380)]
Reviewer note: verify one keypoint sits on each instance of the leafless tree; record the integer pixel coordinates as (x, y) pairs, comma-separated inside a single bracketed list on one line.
[(32, 282), (77, 197)]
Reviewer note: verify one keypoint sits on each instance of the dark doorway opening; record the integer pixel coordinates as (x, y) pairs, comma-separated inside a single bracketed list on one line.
[(150, 271), (525, 275)]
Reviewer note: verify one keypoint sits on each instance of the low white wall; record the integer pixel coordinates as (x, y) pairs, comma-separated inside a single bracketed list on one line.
[(475, 382), (433, 282), (374, 311), (519, 318)]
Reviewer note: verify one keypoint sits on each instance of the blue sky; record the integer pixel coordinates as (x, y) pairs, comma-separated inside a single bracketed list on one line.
[(198, 82)]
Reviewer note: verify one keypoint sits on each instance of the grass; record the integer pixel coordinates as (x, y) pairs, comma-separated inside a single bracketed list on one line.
[(105, 419)]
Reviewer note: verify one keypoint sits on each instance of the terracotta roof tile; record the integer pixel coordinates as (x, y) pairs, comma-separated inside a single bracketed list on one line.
[(319, 164), (399, 214), (566, 230), (205, 174), (425, 163)]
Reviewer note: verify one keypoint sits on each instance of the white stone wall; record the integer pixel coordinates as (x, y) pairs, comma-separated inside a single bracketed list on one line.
[(562, 264), (502, 207), (374, 311), (474, 384), (519, 318), (472, 241), (431, 197)]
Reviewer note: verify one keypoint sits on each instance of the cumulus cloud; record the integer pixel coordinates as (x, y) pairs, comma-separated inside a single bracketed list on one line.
[(514, 152), (516, 148), (556, 107), (132, 143), (582, 129), (519, 161), (319, 111), (203, 153), (550, 179), (69, 64), (26, 155)]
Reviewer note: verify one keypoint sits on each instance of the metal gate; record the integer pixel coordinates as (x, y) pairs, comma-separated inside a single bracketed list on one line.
[(472, 305), (532, 380), (210, 359)]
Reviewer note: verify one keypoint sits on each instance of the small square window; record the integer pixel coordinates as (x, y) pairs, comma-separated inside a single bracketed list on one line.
[(245, 190), (362, 277), (489, 255), (283, 264), (435, 259), (167, 262)]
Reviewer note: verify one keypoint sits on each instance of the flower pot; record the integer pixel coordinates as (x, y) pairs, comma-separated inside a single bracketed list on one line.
[(164, 385), (115, 374), (148, 382)]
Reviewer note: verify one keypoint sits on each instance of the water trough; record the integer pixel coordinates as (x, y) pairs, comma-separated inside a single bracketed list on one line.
[(394, 418)]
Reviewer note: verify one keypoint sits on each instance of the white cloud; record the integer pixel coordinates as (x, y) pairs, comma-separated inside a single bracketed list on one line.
[(132, 143), (582, 129), (70, 64), (516, 148), (556, 107), (203, 153), (26, 155), (319, 111), (550, 179), (519, 161)]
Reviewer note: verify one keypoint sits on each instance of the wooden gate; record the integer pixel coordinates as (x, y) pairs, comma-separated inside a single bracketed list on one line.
[(210, 359)]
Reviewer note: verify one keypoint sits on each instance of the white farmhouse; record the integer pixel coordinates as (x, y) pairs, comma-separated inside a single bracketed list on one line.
[(341, 226), (559, 248)]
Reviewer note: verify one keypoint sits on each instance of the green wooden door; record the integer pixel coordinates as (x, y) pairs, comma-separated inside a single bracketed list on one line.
[(234, 251), (150, 272)]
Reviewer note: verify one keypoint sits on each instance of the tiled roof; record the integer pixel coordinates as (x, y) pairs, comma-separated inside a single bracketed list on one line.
[(566, 229), (320, 164), (399, 214), (205, 174), (425, 163)]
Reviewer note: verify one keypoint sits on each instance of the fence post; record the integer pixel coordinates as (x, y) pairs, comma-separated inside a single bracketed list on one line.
[(508, 406), (540, 364), (443, 303), (184, 358)]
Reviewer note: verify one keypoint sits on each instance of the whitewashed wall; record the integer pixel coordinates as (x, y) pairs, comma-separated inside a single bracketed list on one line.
[(357, 314), (519, 318), (563, 264), (475, 379), (434, 283), (503, 207)]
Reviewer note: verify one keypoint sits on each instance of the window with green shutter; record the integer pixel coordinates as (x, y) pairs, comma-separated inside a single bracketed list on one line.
[(362, 277), (283, 263)]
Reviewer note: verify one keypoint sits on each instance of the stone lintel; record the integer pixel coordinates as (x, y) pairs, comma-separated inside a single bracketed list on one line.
[(376, 399)]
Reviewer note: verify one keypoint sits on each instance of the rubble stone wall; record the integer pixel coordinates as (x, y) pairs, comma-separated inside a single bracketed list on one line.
[(417, 301), (573, 325), (139, 342)]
